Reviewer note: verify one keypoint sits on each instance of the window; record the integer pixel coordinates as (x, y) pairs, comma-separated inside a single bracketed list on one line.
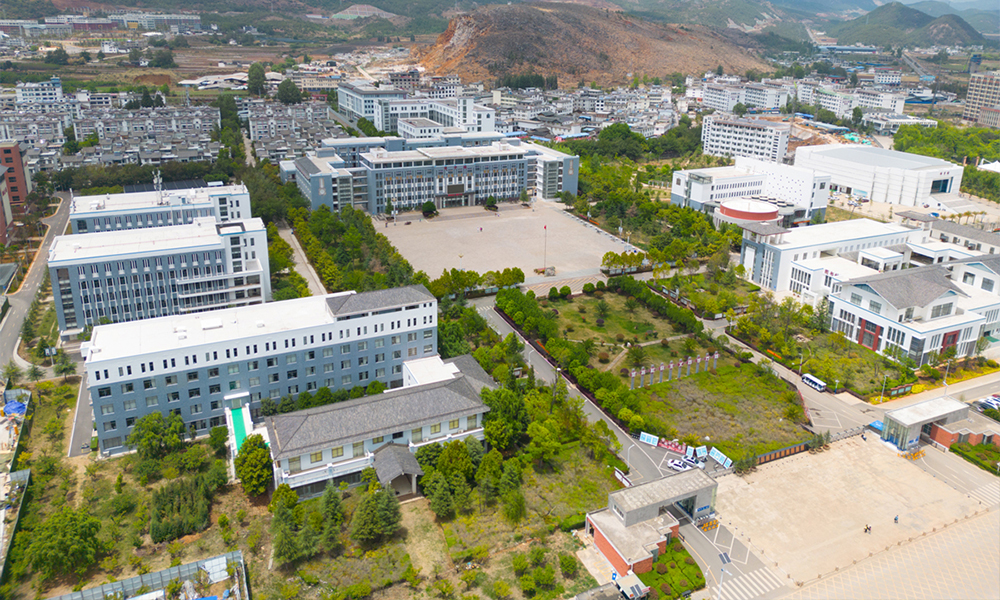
[(129, 421), (345, 380), (192, 376), (110, 426), (378, 440), (253, 365), (362, 346), (379, 358), (379, 343), (170, 380), (411, 337), (316, 457), (345, 349), (195, 409), (214, 389), (941, 310), (174, 397), (234, 385), (856, 299), (428, 334), (987, 285), (411, 351), (362, 361), (194, 393), (294, 465), (128, 388), (291, 359), (358, 449), (293, 374), (969, 278), (395, 339), (470, 422), (254, 381), (428, 349), (453, 424), (417, 435), (875, 307), (152, 401), (213, 372), (272, 362), (214, 405), (108, 409), (274, 377), (436, 428), (129, 405), (337, 452), (327, 352), (148, 384)]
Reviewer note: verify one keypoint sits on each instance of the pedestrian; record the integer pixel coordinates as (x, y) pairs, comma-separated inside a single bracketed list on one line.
[(896, 520)]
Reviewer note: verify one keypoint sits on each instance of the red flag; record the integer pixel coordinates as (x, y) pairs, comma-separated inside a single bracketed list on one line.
[(545, 227)]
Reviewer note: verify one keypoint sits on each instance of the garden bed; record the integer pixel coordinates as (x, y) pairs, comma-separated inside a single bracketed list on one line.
[(984, 456), (673, 573)]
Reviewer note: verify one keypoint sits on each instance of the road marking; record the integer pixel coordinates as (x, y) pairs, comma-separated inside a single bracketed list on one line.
[(749, 585), (988, 494)]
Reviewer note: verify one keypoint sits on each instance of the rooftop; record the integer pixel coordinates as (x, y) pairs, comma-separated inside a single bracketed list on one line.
[(880, 157), (926, 411), (974, 233), (911, 287), (654, 492), (633, 543), (839, 267), (128, 202), (838, 232), (178, 332)]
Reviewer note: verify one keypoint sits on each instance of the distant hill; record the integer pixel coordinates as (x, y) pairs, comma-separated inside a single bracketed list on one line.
[(985, 21), (897, 24), (713, 13), (581, 43)]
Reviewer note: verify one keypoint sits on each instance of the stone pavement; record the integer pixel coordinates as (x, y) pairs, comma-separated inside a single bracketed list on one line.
[(595, 563), (961, 561)]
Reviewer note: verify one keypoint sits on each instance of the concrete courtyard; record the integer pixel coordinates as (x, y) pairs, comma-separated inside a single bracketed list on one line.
[(479, 240), (807, 513)]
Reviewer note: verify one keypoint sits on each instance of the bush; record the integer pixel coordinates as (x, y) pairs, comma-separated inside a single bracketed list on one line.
[(553, 293), (520, 563), (603, 357), (661, 568), (992, 413), (564, 291), (568, 565), (536, 555), (665, 590), (572, 522), (600, 285), (624, 372), (527, 583), (600, 322), (598, 294), (588, 288), (620, 338)]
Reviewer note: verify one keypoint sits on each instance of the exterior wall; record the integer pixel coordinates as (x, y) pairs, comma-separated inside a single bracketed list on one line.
[(242, 372), (621, 567), (18, 184), (984, 91), (736, 137), (224, 203), (942, 436), (360, 101), (643, 566)]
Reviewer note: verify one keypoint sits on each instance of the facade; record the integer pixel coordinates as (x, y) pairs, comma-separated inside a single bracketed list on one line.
[(44, 92), (892, 102), (19, 183), (336, 442), (989, 116), (199, 364), (6, 216), (886, 123), (138, 210), (359, 99), (723, 136), (141, 274), (458, 112), (723, 97), (984, 92), (803, 191), (154, 21), (272, 119), (883, 175), (113, 123)]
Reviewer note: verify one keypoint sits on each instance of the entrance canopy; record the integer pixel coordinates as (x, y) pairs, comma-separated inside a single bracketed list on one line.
[(643, 502), (904, 425), (392, 461)]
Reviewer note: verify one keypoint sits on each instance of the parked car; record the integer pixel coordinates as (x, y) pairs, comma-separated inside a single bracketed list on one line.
[(990, 402), (678, 465)]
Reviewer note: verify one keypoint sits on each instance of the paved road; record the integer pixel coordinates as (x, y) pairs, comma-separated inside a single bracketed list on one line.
[(302, 265), (20, 302), (83, 421)]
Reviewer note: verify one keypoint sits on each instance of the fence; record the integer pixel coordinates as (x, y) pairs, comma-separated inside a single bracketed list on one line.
[(775, 455), (20, 480), (217, 568)]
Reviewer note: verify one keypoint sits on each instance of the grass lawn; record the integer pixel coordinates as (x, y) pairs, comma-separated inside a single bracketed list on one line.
[(739, 409), (665, 352), (709, 296), (578, 319), (680, 573), (985, 456)]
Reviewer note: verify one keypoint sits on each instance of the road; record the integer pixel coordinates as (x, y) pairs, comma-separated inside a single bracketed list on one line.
[(302, 265)]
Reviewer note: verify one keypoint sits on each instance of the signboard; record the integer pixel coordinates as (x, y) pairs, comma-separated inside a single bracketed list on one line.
[(648, 438), (689, 452), (673, 446), (614, 576), (701, 451), (661, 367), (622, 478), (719, 457), (690, 362), (728, 463)]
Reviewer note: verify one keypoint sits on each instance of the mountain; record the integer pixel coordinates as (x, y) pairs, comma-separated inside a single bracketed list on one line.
[(896, 24), (985, 21), (579, 42)]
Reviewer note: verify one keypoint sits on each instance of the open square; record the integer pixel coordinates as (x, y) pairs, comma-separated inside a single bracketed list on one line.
[(808, 512), (512, 237)]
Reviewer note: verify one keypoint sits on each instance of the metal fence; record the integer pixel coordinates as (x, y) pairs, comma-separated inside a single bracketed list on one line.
[(216, 568)]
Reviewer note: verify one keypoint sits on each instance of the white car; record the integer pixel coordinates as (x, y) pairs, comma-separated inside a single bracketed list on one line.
[(990, 402), (678, 465)]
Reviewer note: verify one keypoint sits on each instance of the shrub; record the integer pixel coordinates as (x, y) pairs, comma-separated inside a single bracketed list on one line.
[(603, 357), (689, 560), (536, 555), (661, 568), (600, 285), (553, 294), (564, 291), (665, 589), (568, 565), (620, 338), (600, 322), (527, 583), (684, 583), (624, 372), (581, 309), (992, 413), (575, 521), (520, 563), (598, 294), (588, 288)]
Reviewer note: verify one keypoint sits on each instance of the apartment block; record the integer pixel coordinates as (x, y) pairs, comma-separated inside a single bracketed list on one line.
[(724, 136), (139, 210), (135, 274), (197, 365), (984, 92), (19, 183), (43, 92), (112, 123)]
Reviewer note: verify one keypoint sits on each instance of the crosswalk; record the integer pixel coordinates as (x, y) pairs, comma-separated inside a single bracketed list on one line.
[(748, 585), (988, 494)]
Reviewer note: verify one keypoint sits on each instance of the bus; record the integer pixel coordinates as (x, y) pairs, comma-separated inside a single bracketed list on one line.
[(813, 382)]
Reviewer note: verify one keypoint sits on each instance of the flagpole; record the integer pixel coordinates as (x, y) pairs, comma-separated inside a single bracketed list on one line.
[(545, 252)]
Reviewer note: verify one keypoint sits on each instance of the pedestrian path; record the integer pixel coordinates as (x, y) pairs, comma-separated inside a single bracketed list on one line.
[(748, 585), (988, 494)]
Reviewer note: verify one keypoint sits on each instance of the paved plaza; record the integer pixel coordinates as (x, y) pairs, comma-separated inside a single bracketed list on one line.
[(807, 513), (476, 239)]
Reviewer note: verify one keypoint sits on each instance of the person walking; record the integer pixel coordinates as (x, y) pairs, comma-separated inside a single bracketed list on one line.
[(896, 520)]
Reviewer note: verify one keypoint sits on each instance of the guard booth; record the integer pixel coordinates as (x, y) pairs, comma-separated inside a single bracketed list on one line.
[(903, 427)]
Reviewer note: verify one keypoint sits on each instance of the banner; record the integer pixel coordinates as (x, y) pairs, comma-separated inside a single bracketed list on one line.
[(673, 446), (701, 451), (648, 438)]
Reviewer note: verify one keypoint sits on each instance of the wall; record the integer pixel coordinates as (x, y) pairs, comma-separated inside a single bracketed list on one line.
[(609, 552)]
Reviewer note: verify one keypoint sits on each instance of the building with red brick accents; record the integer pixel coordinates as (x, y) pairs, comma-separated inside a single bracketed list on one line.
[(636, 527), (944, 420), (18, 183)]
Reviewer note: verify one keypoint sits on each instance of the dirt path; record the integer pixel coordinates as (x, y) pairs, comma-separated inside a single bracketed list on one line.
[(424, 539)]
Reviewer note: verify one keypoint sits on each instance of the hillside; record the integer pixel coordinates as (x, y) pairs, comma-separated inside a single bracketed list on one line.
[(580, 43), (985, 21), (896, 24)]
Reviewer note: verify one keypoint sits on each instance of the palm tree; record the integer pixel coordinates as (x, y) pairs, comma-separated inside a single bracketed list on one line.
[(637, 356)]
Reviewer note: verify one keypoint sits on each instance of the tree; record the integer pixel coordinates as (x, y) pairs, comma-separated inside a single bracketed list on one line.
[(34, 372), (253, 465), (287, 545), (719, 71), (333, 517), (153, 436), (283, 497), (100, 55), (288, 92), (59, 56), (256, 79), (70, 146), (377, 518), (134, 55), (65, 543), (739, 109), (217, 438), (544, 442), (856, 115), (637, 356), (12, 373), (85, 56), (65, 365), (854, 79)]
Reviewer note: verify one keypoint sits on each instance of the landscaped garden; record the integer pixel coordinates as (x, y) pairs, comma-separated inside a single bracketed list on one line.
[(984, 456), (712, 294), (673, 573)]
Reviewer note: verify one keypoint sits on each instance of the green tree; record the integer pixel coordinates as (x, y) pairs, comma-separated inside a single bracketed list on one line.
[(288, 92), (65, 543), (283, 496), (544, 442), (287, 545), (856, 115), (376, 519), (637, 356), (253, 465), (134, 55), (333, 517), (12, 373), (34, 372), (256, 79), (217, 438), (59, 56), (154, 436), (65, 365), (739, 109)]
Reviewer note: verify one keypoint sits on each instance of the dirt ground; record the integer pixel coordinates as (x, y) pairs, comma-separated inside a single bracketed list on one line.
[(424, 540)]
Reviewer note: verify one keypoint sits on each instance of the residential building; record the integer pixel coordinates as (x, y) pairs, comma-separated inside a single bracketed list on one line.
[(112, 123), (199, 364), (883, 175), (272, 119), (989, 116), (43, 92), (880, 100), (984, 92), (725, 136), (723, 97), (360, 99), (138, 210), (141, 274), (887, 123), (19, 183), (6, 215), (334, 443), (155, 21)]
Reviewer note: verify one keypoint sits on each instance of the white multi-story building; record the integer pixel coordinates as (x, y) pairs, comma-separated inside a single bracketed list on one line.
[(360, 99), (43, 92), (137, 274), (883, 175), (724, 136), (198, 365), (879, 100), (138, 210), (888, 78), (984, 92)]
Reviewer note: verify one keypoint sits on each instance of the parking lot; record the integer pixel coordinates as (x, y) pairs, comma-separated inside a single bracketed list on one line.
[(808, 512), (476, 239)]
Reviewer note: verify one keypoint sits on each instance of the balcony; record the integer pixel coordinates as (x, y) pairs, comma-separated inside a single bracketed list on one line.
[(324, 473)]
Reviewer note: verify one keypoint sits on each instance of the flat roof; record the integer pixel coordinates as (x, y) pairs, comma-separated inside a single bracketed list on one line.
[(203, 233), (139, 200), (655, 492), (881, 252), (633, 543), (420, 122), (838, 232), (841, 268), (175, 333), (926, 411), (880, 157)]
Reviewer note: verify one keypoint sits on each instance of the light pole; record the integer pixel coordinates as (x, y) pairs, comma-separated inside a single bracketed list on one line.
[(721, 579), (882, 395), (800, 362), (628, 454)]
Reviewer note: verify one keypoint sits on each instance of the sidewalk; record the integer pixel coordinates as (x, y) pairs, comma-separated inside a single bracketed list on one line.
[(302, 265)]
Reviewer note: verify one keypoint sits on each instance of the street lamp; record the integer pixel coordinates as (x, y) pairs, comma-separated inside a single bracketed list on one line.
[(628, 454), (800, 362), (721, 579), (882, 395)]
